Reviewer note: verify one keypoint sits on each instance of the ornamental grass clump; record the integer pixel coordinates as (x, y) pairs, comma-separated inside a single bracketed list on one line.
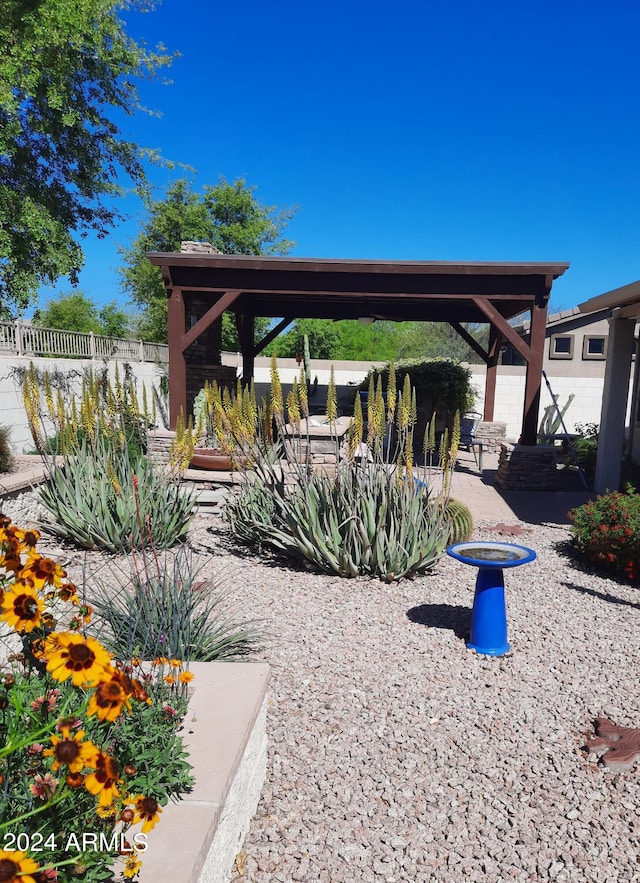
[(165, 605), (89, 745), (377, 514), (606, 533)]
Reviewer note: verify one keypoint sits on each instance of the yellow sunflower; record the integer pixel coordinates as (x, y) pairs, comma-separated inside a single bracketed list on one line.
[(69, 750), (22, 608), (105, 780), (108, 699), (43, 571), (132, 866), (147, 811), (10, 559), (84, 660), (27, 538), (16, 867)]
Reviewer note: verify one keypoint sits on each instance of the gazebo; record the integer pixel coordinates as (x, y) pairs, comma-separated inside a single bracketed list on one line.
[(201, 285)]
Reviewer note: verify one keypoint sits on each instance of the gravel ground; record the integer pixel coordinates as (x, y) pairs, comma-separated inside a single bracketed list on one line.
[(395, 753)]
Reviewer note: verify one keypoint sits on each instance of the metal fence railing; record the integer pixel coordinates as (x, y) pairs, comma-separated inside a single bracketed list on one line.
[(20, 339)]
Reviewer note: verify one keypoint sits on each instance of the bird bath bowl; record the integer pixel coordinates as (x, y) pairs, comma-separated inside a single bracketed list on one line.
[(489, 613)]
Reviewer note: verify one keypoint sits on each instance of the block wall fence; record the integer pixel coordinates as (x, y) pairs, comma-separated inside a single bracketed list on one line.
[(585, 407)]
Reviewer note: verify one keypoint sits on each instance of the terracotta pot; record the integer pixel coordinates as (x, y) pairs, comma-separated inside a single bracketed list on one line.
[(214, 459)]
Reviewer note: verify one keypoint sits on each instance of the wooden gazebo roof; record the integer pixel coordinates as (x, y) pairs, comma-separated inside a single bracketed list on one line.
[(428, 291)]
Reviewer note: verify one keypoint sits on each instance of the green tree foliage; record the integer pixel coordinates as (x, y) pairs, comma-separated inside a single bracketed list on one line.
[(379, 341), (228, 216), (324, 339), (76, 312), (67, 70)]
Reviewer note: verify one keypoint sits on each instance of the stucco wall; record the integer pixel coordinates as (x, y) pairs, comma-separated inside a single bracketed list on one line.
[(509, 388), (12, 411)]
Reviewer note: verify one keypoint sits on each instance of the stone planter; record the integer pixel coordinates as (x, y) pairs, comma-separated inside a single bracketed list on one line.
[(198, 837)]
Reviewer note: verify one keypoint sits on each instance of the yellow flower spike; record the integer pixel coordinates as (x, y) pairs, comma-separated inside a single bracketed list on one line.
[(145, 403), (34, 386), (356, 428), (392, 393), (48, 392), (332, 397), (277, 406), (302, 394), (293, 405)]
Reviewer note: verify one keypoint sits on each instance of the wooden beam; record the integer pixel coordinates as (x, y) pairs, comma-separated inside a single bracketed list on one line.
[(210, 316), (246, 324), (177, 364), (266, 340), (503, 326), (471, 341), (534, 375), (495, 340)]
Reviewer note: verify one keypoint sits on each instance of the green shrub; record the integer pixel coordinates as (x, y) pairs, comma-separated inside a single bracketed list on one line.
[(6, 457), (606, 532), (586, 449), (101, 500), (165, 610), (441, 386)]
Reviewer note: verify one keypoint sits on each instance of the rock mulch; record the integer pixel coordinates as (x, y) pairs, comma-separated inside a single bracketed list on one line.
[(397, 754)]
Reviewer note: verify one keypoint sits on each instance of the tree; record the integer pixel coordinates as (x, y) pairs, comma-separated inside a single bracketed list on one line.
[(66, 70), (70, 312), (323, 339), (228, 216), (76, 312)]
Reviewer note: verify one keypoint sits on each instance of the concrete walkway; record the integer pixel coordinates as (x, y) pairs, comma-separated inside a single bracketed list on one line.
[(489, 504)]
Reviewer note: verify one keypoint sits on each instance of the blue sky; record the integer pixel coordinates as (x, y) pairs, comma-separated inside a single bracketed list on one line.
[(507, 130)]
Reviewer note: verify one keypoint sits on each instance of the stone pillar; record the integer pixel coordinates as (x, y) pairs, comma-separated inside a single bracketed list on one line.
[(614, 404)]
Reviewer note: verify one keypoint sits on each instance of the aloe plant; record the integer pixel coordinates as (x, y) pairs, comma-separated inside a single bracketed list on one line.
[(363, 521), (100, 499)]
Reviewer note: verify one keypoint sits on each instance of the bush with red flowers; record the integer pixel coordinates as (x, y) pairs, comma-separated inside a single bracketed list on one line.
[(606, 532)]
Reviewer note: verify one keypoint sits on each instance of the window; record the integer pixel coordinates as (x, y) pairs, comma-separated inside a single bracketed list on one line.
[(594, 346), (561, 346)]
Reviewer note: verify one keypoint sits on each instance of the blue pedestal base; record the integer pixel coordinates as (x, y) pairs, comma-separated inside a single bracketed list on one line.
[(489, 614)]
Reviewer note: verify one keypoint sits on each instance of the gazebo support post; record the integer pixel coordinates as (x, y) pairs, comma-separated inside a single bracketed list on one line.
[(245, 324), (533, 380), (180, 340), (177, 365), (493, 357)]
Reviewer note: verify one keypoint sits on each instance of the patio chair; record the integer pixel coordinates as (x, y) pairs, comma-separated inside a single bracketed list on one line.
[(469, 423)]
